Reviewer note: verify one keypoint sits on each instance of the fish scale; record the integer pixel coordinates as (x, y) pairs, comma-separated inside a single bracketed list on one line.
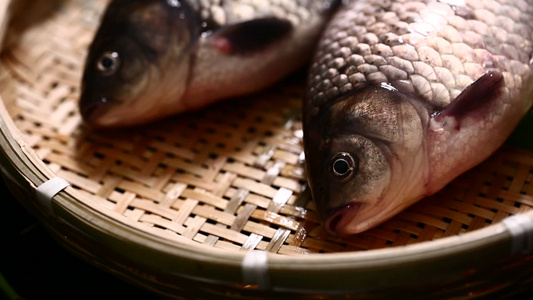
[(221, 13), (433, 50)]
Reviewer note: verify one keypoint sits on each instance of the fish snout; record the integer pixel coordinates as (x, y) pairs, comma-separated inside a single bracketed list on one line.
[(92, 110), (339, 219)]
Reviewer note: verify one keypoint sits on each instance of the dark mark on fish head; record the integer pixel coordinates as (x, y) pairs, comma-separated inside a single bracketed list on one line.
[(350, 164)]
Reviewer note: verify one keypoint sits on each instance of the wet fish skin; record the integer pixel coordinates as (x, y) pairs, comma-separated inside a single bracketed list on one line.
[(155, 58), (403, 96)]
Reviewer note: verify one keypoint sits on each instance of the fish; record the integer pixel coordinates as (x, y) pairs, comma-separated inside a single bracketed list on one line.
[(404, 96), (151, 59)]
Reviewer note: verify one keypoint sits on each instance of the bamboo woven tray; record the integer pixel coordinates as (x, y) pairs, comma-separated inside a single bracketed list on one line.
[(176, 206)]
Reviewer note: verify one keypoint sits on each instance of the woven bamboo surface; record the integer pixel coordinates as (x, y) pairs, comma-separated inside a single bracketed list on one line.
[(229, 176)]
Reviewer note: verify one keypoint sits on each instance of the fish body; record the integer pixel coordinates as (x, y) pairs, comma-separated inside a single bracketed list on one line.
[(154, 58), (403, 96)]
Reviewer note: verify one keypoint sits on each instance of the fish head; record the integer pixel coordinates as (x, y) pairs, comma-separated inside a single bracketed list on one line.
[(364, 152), (137, 66)]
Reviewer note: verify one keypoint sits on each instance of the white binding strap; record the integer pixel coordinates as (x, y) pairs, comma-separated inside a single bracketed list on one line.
[(47, 190), (255, 269), (521, 229)]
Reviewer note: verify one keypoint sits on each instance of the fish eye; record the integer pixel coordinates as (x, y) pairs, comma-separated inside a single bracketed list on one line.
[(342, 165), (108, 63)]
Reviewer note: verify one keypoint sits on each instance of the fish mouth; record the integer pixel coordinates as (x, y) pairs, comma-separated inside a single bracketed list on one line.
[(98, 113), (92, 112), (339, 219)]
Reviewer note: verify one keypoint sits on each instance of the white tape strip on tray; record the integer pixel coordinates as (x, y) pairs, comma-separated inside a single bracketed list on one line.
[(47, 190), (521, 228), (255, 269)]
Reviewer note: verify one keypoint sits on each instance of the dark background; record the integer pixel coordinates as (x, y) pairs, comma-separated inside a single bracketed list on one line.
[(35, 266)]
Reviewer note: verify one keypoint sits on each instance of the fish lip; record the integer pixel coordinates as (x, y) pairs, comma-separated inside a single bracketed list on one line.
[(93, 111), (340, 217)]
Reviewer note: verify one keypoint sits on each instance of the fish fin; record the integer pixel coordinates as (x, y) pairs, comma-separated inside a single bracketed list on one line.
[(487, 88), (250, 36)]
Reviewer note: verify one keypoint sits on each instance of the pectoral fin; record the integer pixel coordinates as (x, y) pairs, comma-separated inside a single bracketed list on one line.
[(250, 36), (474, 98)]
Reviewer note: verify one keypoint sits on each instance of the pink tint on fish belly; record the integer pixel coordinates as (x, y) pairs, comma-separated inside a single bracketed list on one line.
[(221, 44), (220, 73)]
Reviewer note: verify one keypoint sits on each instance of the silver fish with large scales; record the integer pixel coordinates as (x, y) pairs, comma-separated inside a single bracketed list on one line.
[(155, 58), (403, 96)]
